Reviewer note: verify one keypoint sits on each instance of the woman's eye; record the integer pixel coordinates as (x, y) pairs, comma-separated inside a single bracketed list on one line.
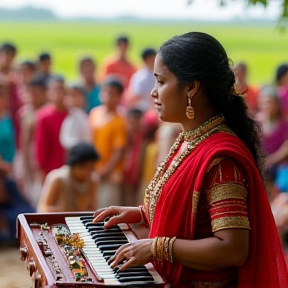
[(160, 82)]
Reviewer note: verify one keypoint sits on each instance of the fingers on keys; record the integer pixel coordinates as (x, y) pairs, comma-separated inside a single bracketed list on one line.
[(101, 214), (119, 255)]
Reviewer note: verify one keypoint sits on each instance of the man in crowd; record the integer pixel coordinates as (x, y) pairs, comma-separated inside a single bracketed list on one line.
[(119, 65)]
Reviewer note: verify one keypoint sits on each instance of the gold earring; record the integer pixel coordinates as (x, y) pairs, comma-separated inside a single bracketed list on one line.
[(189, 109)]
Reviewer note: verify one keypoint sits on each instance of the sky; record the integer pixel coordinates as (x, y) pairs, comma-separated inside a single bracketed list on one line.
[(174, 9)]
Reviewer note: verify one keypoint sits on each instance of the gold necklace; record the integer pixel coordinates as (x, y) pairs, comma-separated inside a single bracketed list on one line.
[(161, 176)]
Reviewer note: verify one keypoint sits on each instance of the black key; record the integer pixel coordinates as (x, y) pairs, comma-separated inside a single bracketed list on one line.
[(104, 234), (86, 217), (93, 225), (96, 236), (109, 253), (127, 274), (111, 242), (136, 278), (109, 247), (132, 269), (95, 228)]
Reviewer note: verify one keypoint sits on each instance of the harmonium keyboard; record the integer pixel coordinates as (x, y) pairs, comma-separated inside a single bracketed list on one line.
[(68, 250)]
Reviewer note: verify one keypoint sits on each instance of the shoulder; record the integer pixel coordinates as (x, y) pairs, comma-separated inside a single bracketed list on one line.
[(57, 176), (224, 169)]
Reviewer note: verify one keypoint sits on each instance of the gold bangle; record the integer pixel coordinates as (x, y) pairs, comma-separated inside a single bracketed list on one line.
[(166, 248), (153, 248), (171, 248)]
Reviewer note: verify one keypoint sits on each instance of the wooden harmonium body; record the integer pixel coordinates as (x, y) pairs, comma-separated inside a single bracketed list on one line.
[(68, 250)]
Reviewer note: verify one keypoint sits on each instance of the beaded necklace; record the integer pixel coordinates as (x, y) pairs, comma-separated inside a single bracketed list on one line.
[(162, 175)]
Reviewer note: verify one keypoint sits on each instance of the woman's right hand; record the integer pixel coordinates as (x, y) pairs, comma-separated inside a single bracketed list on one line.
[(117, 214)]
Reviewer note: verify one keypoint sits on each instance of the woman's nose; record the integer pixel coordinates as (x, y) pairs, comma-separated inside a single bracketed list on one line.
[(154, 93)]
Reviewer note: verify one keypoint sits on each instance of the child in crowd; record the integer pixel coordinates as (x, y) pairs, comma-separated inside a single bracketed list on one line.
[(73, 187), (87, 69), (50, 154), (75, 127), (109, 137)]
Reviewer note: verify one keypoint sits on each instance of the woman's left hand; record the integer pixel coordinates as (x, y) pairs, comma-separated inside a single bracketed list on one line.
[(136, 253)]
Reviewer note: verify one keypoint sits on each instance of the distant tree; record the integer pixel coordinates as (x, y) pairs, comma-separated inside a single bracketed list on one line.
[(283, 17), (27, 13)]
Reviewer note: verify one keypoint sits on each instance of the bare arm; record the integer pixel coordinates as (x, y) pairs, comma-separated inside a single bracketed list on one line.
[(113, 161), (278, 155), (50, 195), (228, 247)]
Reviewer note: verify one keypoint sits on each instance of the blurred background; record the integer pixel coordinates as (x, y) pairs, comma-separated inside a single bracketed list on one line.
[(82, 71)]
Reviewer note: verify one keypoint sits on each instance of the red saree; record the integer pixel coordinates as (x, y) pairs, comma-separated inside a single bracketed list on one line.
[(175, 215)]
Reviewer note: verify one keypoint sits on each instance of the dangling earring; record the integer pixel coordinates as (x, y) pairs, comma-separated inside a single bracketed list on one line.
[(189, 109)]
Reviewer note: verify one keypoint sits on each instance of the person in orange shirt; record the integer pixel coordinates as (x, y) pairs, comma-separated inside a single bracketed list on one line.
[(119, 65), (249, 92), (109, 138)]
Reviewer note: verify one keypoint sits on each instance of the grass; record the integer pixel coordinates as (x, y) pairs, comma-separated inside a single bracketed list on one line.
[(263, 47)]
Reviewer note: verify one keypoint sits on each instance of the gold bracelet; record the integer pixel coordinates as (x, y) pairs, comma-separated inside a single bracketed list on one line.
[(153, 248), (171, 248), (166, 248)]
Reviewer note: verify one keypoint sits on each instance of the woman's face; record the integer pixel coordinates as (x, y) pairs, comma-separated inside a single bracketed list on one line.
[(170, 100)]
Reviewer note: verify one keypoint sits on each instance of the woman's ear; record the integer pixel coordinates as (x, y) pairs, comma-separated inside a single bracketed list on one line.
[(193, 88)]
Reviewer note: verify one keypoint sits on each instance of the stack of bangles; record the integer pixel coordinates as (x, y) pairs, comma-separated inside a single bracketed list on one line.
[(162, 249), (144, 220)]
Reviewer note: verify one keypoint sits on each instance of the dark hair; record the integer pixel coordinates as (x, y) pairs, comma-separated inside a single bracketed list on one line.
[(281, 72), (55, 78), (79, 88), (81, 153), (8, 47), (44, 56), (28, 64), (115, 82), (37, 82), (86, 59), (200, 57), (148, 52), (122, 39), (134, 112)]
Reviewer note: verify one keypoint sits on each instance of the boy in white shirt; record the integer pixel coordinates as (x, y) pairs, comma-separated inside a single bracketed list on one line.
[(75, 128)]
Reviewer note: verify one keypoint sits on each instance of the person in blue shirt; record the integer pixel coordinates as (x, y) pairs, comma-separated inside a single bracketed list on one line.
[(87, 69)]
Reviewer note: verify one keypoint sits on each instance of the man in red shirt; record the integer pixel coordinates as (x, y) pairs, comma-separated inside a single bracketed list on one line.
[(119, 65), (50, 154)]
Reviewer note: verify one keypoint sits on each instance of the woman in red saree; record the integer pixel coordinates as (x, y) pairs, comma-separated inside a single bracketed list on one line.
[(206, 208)]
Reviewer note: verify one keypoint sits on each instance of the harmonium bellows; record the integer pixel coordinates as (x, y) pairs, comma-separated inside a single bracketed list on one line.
[(68, 250)]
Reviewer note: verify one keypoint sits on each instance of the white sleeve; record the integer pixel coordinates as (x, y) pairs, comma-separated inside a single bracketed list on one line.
[(68, 133)]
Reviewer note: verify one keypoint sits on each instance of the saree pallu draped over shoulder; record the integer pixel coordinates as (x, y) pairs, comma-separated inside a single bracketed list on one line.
[(172, 211)]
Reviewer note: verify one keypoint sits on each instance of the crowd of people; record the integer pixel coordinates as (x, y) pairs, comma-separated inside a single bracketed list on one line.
[(97, 142)]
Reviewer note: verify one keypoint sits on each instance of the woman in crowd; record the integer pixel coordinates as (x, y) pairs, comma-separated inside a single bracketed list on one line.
[(73, 187), (206, 202), (275, 135)]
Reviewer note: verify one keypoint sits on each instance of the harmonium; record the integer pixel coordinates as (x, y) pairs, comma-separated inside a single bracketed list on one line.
[(68, 250)]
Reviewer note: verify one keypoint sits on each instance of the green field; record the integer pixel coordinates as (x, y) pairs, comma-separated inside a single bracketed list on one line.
[(263, 47)]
